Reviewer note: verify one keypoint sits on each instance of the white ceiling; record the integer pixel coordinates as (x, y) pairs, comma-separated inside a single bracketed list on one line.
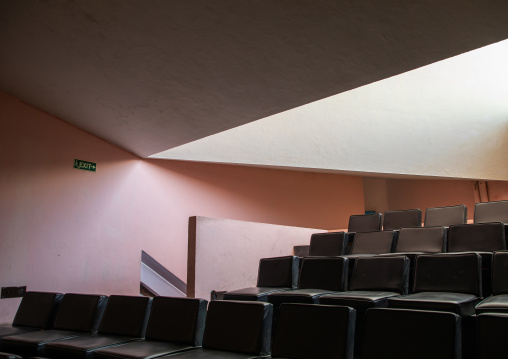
[(151, 75)]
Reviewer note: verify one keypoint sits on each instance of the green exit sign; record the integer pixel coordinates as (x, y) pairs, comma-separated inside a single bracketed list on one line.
[(85, 165)]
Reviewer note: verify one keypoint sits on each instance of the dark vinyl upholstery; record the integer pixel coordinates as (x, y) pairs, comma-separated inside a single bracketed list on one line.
[(318, 276), (36, 311), (77, 315), (328, 244), (498, 302), (411, 334), (393, 220), (365, 222), (494, 211), (274, 275), (492, 336), (444, 282), (124, 320), (445, 216), (486, 237), (374, 280), (375, 242), (234, 330), (174, 325), (314, 331), (422, 240)]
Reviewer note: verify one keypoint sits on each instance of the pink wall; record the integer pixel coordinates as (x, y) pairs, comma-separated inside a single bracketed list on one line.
[(413, 193), (68, 230)]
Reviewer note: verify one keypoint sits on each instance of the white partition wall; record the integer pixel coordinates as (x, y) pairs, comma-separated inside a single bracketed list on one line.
[(224, 254)]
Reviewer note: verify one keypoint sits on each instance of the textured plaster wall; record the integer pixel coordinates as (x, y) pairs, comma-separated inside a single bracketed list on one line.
[(68, 230), (423, 194)]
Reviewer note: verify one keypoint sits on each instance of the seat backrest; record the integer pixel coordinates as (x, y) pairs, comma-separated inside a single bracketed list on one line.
[(487, 237), (126, 315), (328, 244), (37, 310), (365, 222), (278, 272), (423, 239), (177, 320), (374, 242), (80, 312), (381, 274), (495, 211), (445, 216), (500, 273), (457, 273), (314, 331), (243, 327), (402, 334), (402, 219), (328, 273)]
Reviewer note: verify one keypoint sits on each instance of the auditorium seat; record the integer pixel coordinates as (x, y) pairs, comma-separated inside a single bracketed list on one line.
[(374, 280), (318, 276), (498, 302), (483, 238), (275, 274), (124, 320), (174, 325), (444, 282), (492, 329), (397, 219), (36, 311), (365, 222), (494, 211), (314, 331), (77, 315), (328, 244), (411, 334), (414, 241), (234, 330), (445, 216)]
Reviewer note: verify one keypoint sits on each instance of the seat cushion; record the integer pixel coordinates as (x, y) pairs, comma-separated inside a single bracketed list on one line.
[(140, 350), (458, 303), (8, 330), (310, 296), (213, 354), (31, 344), (253, 293), (495, 303), (357, 296), (82, 347)]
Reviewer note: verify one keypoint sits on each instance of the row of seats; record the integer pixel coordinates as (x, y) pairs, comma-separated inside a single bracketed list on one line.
[(185, 328), (443, 282), (494, 211)]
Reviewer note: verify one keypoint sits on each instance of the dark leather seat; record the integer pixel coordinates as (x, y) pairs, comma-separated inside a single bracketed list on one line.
[(374, 280), (124, 320), (445, 216), (318, 276), (36, 311), (77, 315), (276, 274), (365, 222), (394, 220), (328, 244), (314, 331), (494, 211), (234, 330), (174, 325), (482, 238), (492, 336), (444, 282), (411, 334), (498, 302), (414, 241)]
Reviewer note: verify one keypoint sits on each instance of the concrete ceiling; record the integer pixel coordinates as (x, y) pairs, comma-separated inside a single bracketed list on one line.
[(150, 75)]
